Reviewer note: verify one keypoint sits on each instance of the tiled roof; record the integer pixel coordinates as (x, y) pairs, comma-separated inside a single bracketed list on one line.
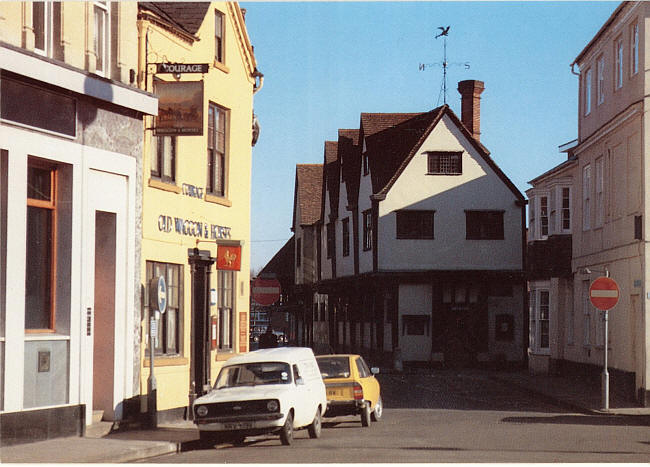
[(309, 185), (332, 176), (330, 151), (187, 15), (390, 138)]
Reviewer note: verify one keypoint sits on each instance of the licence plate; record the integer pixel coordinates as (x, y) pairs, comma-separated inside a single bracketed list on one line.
[(238, 426), (333, 392)]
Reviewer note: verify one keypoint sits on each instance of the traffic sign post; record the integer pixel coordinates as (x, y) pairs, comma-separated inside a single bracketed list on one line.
[(157, 305), (604, 294)]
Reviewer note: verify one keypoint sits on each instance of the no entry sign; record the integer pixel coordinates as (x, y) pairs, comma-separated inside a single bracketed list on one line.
[(266, 291), (604, 293)]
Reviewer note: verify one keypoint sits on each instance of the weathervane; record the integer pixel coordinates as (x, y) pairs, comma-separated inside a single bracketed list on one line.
[(444, 32)]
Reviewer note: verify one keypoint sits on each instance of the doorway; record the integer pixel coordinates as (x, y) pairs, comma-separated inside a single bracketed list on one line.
[(104, 336)]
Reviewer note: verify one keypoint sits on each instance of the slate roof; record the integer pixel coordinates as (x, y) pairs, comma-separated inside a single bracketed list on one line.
[(308, 190), (187, 16)]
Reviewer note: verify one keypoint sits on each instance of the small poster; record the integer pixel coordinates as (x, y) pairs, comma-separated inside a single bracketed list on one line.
[(243, 332)]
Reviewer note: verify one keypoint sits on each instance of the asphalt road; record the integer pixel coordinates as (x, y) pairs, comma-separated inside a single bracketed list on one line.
[(446, 417)]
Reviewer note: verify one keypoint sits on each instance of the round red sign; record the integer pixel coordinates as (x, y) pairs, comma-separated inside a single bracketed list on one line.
[(604, 293), (266, 291)]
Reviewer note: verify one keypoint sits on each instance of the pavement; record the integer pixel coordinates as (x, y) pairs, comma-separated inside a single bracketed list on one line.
[(105, 444)]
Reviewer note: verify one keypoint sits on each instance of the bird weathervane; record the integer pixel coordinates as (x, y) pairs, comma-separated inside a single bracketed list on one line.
[(444, 33)]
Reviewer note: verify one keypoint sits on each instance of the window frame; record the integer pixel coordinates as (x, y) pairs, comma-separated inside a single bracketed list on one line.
[(618, 59), (452, 166), (565, 211), (418, 230), (219, 37), (48, 28), (634, 48), (587, 92), (544, 215), (158, 154), (217, 113), (223, 344), (477, 232), (537, 331), (52, 207), (600, 80), (366, 164), (330, 239), (345, 236), (104, 49), (599, 188), (163, 324), (367, 229), (586, 197)]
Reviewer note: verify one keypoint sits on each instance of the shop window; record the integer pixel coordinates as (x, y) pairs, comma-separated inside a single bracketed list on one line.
[(170, 326), (225, 304), (539, 330), (40, 279), (217, 156)]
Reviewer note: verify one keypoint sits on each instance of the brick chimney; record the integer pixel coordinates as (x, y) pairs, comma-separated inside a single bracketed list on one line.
[(470, 105)]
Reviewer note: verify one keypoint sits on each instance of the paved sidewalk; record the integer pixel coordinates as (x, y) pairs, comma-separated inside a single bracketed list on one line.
[(573, 393)]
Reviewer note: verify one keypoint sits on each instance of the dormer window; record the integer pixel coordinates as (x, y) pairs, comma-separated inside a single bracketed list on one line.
[(444, 163)]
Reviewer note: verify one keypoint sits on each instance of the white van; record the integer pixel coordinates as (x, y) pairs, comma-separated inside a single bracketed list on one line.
[(266, 391)]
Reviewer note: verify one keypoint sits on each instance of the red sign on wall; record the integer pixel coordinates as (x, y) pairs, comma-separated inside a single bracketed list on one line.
[(228, 257)]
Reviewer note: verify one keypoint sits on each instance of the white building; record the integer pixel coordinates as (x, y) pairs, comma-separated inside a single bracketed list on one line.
[(422, 241)]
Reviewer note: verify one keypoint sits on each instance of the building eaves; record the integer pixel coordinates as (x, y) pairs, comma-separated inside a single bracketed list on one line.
[(187, 16), (572, 160)]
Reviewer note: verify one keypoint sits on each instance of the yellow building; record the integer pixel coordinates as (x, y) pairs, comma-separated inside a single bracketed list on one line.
[(197, 57)]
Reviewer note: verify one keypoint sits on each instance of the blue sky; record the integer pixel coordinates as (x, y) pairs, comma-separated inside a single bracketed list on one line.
[(325, 63)]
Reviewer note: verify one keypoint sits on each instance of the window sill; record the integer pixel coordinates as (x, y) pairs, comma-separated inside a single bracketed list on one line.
[(444, 173), (153, 183), (166, 361), (217, 200), (221, 66), (223, 355)]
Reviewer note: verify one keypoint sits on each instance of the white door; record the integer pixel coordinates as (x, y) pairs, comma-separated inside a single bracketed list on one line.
[(415, 305)]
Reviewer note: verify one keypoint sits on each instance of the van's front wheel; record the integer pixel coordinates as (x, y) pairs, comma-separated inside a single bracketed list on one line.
[(286, 433), (316, 425)]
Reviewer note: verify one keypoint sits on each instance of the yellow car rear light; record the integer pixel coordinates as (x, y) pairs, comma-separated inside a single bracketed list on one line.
[(358, 392)]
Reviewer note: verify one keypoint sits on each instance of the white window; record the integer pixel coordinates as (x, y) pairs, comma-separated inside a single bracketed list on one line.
[(600, 85), (42, 24), (586, 314), (543, 216), (586, 197), (565, 209), (100, 38), (600, 208), (587, 92), (634, 49), (539, 331), (619, 63)]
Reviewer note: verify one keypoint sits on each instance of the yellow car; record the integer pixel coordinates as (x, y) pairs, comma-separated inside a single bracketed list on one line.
[(351, 387)]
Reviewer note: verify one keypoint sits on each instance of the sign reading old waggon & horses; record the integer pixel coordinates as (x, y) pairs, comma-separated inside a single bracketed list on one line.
[(180, 108)]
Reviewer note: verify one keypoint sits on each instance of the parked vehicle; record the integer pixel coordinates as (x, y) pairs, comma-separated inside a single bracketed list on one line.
[(275, 390), (352, 388)]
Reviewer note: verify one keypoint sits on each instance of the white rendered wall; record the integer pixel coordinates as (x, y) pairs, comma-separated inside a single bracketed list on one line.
[(344, 264), (478, 188)]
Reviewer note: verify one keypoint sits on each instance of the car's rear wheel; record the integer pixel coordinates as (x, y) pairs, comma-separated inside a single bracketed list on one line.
[(378, 411), (286, 433), (365, 415), (316, 425)]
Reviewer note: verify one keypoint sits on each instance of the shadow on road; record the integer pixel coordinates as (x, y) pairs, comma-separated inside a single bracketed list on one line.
[(598, 420), (501, 450)]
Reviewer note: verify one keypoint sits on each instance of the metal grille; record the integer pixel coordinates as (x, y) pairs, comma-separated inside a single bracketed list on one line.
[(229, 409)]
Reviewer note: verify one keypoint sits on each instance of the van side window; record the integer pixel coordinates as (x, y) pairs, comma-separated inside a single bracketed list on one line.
[(296, 373)]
